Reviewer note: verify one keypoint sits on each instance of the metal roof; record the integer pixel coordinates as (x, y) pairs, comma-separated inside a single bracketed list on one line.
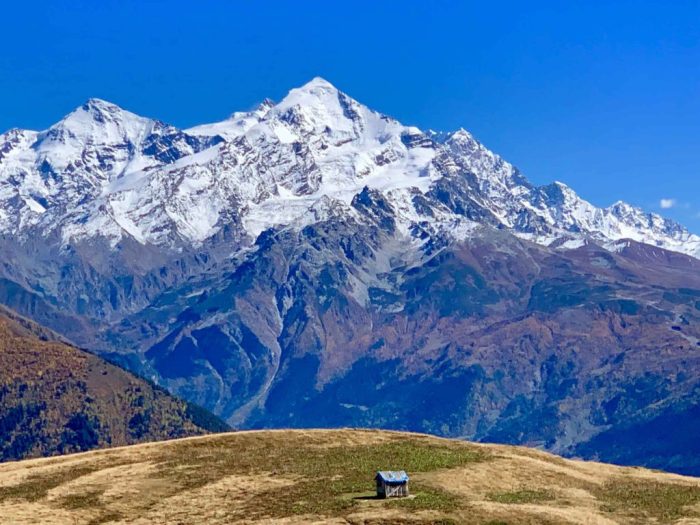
[(392, 476)]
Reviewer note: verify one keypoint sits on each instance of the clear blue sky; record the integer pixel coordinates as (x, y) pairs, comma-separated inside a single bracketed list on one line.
[(602, 95)]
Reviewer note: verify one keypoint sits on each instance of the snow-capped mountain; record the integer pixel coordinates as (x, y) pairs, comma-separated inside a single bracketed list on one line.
[(57, 179), (103, 172), (300, 263)]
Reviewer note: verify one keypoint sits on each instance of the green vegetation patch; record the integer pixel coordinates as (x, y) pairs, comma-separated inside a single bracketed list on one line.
[(519, 497), (428, 498), (36, 487), (82, 500), (106, 517), (664, 501), (90, 500), (328, 476)]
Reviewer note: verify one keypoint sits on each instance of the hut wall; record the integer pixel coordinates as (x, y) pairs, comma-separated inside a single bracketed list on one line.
[(396, 491)]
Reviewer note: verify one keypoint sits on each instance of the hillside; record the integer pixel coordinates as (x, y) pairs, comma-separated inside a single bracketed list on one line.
[(314, 476), (55, 398)]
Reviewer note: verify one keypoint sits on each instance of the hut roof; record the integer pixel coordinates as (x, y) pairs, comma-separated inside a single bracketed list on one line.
[(392, 476)]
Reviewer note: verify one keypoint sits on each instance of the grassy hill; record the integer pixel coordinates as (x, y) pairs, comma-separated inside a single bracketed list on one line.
[(55, 398), (325, 476)]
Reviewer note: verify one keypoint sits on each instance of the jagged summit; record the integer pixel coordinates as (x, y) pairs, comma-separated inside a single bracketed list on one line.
[(99, 104), (318, 81), (561, 193), (460, 134), (100, 112), (316, 84), (94, 122), (266, 167), (265, 105), (318, 108)]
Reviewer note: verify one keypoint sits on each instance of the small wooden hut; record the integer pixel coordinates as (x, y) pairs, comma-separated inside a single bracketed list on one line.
[(392, 484)]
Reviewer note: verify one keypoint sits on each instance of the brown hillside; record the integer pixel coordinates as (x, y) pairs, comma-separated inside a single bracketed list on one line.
[(55, 398), (326, 476)]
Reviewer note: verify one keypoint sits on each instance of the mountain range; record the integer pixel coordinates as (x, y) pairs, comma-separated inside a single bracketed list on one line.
[(315, 263)]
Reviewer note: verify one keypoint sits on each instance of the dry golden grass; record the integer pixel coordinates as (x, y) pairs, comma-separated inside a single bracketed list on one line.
[(326, 476)]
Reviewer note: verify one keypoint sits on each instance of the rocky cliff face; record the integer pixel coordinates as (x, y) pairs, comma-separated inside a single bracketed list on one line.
[(314, 262)]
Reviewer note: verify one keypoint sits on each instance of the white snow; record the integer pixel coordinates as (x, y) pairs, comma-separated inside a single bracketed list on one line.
[(34, 205), (290, 164), (233, 127)]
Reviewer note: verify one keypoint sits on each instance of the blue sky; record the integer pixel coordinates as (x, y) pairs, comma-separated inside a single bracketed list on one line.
[(602, 95)]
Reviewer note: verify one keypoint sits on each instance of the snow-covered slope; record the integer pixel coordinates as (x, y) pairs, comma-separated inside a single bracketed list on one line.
[(236, 125), (104, 172), (57, 179)]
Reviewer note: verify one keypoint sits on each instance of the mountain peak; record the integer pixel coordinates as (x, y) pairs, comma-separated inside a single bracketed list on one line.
[(94, 103), (563, 187), (622, 207), (461, 133), (94, 125), (319, 107), (318, 83), (315, 91), (99, 110), (461, 138), (559, 193), (266, 104), (95, 114)]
